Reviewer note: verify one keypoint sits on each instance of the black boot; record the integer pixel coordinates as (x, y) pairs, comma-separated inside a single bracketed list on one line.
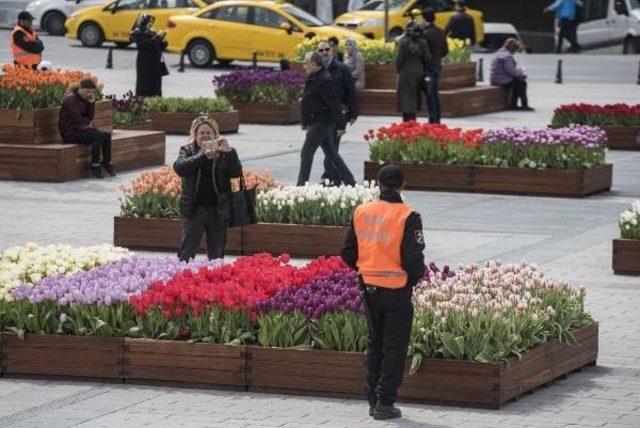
[(386, 412), (109, 168), (97, 172)]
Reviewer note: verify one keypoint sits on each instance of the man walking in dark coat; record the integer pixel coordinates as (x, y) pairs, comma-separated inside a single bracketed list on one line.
[(321, 117), (346, 91), (461, 25), (438, 47)]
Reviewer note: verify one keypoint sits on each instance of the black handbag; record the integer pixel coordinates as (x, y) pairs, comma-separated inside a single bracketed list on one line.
[(243, 206)]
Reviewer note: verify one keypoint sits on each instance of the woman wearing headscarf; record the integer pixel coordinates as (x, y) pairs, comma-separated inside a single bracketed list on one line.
[(207, 166), (354, 59), (150, 66), (412, 61)]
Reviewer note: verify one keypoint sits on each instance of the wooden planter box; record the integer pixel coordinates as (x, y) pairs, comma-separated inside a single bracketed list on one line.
[(47, 355), (449, 382), (294, 239), (180, 123), (158, 234), (41, 126), (269, 114), (626, 256), (66, 162), (455, 102), (453, 76), (623, 138), (200, 365), (486, 179), (146, 125)]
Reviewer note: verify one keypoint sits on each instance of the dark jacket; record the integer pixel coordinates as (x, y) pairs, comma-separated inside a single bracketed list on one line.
[(149, 65), (412, 62), (320, 103), (345, 88), (438, 47), (76, 115), (412, 259), (461, 26), (187, 166), (31, 47)]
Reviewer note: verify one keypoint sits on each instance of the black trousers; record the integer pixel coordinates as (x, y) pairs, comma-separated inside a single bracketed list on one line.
[(433, 97), (207, 220), (330, 171), (99, 141), (321, 135), (390, 316), (568, 31), (518, 90)]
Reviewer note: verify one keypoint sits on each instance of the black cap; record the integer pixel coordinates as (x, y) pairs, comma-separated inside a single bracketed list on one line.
[(391, 176), (24, 15)]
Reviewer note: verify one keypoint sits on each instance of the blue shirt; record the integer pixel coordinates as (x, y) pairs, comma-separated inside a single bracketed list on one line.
[(565, 9)]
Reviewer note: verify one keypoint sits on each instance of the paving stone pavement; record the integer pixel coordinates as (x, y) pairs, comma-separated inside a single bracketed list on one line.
[(568, 238)]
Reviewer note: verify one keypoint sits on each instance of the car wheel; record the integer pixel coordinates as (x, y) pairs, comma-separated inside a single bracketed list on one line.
[(394, 33), (53, 23), (91, 35), (631, 45), (201, 53), (122, 45)]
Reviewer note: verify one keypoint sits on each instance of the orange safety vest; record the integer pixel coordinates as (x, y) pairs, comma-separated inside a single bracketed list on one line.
[(21, 56), (379, 228)]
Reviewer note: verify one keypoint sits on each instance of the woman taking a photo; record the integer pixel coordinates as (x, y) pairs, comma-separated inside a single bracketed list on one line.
[(150, 66), (207, 165)]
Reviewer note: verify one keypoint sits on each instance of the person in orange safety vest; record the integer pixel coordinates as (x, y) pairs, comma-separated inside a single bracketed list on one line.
[(385, 244), (26, 47)]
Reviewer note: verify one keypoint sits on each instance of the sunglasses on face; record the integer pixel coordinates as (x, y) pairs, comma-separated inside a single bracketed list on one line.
[(324, 50)]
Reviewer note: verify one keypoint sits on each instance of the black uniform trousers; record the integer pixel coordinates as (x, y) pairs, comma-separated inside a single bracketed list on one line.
[(390, 316)]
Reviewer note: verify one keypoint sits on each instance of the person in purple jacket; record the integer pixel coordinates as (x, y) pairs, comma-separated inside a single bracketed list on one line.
[(505, 73), (76, 114)]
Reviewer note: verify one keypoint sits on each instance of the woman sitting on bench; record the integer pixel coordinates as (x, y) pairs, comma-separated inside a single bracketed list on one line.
[(76, 115)]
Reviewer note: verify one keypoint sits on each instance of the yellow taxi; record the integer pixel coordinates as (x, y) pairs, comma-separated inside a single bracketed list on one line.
[(369, 19), (113, 21), (235, 29)]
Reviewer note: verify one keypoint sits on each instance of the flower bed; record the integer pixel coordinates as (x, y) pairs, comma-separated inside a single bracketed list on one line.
[(129, 112), (270, 97), (303, 221), (563, 162), (29, 104), (626, 250), (621, 122), (174, 115), (316, 308)]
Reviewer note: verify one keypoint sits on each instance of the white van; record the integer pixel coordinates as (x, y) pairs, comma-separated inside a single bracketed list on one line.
[(50, 14), (609, 23)]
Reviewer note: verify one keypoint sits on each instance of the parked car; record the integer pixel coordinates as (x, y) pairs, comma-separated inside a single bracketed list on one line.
[(234, 30), (495, 33), (610, 23), (112, 22), (369, 19), (50, 15)]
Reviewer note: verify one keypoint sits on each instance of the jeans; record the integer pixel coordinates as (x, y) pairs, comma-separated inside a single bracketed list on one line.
[(569, 31), (433, 97), (205, 219), (518, 88), (100, 141), (389, 316), (321, 135)]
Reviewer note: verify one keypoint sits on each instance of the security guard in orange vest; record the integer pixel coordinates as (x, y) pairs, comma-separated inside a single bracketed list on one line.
[(384, 244), (26, 47)]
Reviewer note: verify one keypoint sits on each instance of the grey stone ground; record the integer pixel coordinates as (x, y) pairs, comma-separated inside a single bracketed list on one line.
[(568, 238)]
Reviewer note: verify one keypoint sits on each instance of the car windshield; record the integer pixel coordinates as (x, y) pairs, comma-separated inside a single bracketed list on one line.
[(304, 17), (379, 5)]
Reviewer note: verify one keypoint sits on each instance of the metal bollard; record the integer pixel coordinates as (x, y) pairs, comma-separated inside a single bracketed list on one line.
[(559, 72), (480, 70), (254, 60), (181, 65), (284, 64), (110, 58), (638, 81)]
